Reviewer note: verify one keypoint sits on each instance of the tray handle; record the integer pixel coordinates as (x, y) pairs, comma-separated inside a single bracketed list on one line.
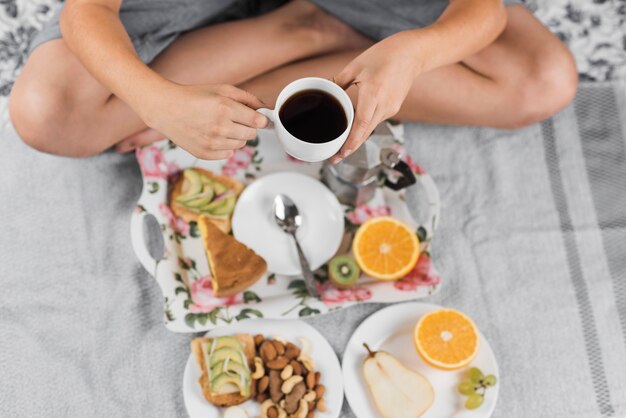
[(147, 240)]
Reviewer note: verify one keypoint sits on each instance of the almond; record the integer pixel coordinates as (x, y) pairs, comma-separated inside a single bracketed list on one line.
[(275, 383), (296, 366), (267, 351), (278, 363), (263, 384), (258, 340), (280, 348), (310, 380), (294, 397), (292, 351), (319, 391)]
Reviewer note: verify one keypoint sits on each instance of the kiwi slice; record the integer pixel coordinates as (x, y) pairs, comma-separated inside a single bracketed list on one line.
[(343, 271)]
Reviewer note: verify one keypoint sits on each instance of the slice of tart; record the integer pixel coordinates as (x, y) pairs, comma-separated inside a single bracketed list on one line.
[(201, 192), (234, 267)]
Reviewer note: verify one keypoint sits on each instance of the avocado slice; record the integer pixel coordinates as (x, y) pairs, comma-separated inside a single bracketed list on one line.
[(219, 187), (226, 208), (195, 198), (200, 199), (232, 342), (230, 383), (227, 353), (192, 184), (231, 367), (182, 199), (215, 204)]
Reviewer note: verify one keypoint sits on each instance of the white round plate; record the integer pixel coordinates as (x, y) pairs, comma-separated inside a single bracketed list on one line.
[(391, 330), (322, 221), (326, 363)]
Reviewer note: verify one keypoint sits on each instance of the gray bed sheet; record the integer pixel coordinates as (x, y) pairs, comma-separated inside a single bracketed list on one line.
[(532, 244)]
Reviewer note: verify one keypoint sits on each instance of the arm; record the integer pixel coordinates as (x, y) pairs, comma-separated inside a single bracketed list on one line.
[(464, 28), (209, 121), (385, 72)]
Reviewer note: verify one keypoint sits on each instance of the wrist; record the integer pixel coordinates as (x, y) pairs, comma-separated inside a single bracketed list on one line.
[(151, 95), (420, 44)]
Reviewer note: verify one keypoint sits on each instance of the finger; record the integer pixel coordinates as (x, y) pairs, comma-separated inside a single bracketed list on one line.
[(139, 139), (215, 155), (224, 144), (345, 78), (241, 133), (243, 115), (242, 96), (365, 110)]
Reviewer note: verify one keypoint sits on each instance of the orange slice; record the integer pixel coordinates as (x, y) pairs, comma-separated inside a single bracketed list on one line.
[(446, 339), (385, 248)]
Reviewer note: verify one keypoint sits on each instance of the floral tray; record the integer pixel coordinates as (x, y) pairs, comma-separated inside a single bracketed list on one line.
[(171, 250)]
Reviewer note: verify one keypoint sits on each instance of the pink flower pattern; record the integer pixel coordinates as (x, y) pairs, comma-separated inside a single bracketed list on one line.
[(240, 160), (423, 274), (333, 296), (177, 224), (203, 299), (363, 212), (153, 164)]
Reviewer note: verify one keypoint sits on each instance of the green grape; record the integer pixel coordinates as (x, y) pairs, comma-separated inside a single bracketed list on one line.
[(490, 380), (474, 401), (466, 387), (475, 375)]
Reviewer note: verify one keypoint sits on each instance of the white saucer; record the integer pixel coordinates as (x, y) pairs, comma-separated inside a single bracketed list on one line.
[(322, 221), (326, 363), (391, 330)]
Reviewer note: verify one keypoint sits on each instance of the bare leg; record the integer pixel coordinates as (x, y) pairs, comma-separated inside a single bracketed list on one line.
[(526, 75), (58, 107)]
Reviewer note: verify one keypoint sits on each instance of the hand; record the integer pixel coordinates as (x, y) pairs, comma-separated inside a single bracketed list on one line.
[(209, 121), (383, 75)]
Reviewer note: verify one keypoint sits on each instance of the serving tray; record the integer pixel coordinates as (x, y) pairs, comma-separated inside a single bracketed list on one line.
[(171, 250)]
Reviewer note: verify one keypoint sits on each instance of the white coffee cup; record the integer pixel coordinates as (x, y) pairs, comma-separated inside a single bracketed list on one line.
[(308, 151)]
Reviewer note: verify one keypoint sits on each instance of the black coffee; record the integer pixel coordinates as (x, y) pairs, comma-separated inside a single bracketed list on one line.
[(313, 116)]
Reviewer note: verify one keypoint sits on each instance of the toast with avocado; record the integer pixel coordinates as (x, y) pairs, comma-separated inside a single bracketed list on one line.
[(201, 192), (225, 363)]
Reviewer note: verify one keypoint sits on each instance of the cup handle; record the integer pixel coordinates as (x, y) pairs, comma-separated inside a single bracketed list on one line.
[(270, 115)]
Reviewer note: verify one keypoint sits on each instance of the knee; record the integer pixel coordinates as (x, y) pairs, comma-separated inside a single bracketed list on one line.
[(548, 84), (35, 110), (41, 115)]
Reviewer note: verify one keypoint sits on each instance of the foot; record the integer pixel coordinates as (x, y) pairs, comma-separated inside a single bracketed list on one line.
[(323, 28), (136, 140)]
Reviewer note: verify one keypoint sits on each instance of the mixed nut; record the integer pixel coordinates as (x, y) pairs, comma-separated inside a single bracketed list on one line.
[(287, 385)]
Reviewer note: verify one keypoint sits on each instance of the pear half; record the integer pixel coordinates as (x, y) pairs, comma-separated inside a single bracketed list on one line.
[(398, 391)]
